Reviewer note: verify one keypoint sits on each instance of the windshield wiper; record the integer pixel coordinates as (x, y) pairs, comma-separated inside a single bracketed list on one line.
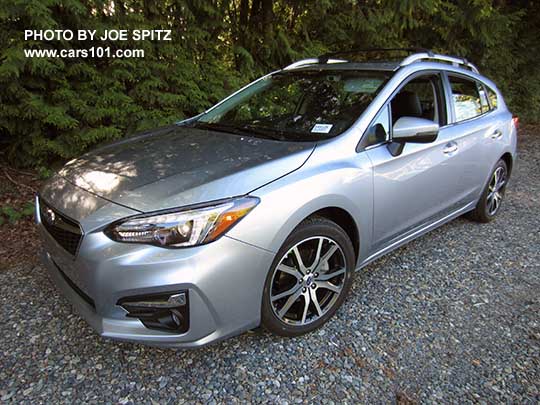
[(240, 130), (265, 133), (216, 127)]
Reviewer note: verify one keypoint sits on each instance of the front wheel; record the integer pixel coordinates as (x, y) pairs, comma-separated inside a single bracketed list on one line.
[(490, 202), (309, 279)]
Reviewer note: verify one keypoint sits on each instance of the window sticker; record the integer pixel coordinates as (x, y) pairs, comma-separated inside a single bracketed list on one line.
[(322, 128)]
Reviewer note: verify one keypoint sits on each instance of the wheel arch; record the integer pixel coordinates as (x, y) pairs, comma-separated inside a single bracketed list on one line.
[(345, 220), (507, 158)]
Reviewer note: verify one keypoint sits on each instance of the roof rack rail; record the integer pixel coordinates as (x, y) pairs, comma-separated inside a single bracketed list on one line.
[(414, 55), (328, 57), (454, 60), (311, 61), (323, 58)]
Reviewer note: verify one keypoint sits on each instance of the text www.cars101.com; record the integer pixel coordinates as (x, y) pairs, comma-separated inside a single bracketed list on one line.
[(94, 52)]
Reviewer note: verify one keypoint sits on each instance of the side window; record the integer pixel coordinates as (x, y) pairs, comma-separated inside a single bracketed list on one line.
[(379, 129), (466, 98), (492, 98), (422, 98)]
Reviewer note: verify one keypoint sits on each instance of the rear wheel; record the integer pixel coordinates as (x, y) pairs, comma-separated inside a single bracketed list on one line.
[(490, 202), (309, 279)]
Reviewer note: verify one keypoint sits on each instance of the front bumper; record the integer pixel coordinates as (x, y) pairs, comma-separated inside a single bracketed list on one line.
[(224, 280)]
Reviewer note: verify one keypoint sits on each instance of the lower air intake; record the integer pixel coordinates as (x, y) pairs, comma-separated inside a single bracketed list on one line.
[(163, 311)]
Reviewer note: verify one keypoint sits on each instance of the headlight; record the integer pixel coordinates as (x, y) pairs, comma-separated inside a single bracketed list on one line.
[(183, 227)]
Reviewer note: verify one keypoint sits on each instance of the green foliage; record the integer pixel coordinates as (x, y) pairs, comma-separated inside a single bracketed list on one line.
[(44, 172), (55, 109), (12, 215)]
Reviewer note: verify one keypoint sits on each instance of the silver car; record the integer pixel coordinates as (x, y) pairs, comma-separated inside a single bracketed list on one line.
[(259, 210)]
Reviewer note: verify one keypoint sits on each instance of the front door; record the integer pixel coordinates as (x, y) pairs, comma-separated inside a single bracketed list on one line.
[(419, 185)]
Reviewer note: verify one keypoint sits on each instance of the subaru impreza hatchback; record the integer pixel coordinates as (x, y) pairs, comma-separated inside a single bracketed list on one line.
[(259, 210)]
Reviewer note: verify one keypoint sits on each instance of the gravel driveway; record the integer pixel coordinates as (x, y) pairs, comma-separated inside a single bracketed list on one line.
[(452, 317)]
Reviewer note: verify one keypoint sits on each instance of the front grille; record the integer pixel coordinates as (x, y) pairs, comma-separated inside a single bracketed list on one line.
[(64, 230)]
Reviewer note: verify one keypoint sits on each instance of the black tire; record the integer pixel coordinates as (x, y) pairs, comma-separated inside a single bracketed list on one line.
[(482, 212), (310, 231)]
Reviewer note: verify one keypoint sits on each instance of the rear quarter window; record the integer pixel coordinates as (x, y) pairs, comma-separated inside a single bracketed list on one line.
[(483, 97), (492, 96)]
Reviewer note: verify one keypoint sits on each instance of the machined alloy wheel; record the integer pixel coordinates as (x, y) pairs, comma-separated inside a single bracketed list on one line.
[(309, 279), (496, 190), (491, 199)]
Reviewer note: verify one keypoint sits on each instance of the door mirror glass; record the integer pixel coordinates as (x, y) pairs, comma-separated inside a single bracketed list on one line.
[(414, 129)]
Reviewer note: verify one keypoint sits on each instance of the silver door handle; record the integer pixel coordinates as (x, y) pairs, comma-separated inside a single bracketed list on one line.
[(497, 134), (450, 148)]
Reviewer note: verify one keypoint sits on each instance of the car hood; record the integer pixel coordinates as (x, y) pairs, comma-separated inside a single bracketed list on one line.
[(177, 166)]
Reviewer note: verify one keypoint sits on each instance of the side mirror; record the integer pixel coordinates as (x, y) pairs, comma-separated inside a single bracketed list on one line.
[(414, 130)]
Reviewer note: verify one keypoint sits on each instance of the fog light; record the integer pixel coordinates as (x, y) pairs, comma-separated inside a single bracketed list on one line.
[(163, 311)]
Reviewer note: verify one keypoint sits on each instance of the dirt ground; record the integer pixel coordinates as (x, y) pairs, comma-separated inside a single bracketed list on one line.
[(19, 239)]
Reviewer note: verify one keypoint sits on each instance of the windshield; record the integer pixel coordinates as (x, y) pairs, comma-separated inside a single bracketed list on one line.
[(297, 106)]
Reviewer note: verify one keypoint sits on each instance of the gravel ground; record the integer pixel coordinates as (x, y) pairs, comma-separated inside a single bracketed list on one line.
[(452, 317)]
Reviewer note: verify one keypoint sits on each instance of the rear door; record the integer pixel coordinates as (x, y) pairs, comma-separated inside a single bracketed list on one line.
[(419, 185), (471, 130)]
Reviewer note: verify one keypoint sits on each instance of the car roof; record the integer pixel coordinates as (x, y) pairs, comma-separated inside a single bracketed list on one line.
[(415, 56), (419, 61)]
